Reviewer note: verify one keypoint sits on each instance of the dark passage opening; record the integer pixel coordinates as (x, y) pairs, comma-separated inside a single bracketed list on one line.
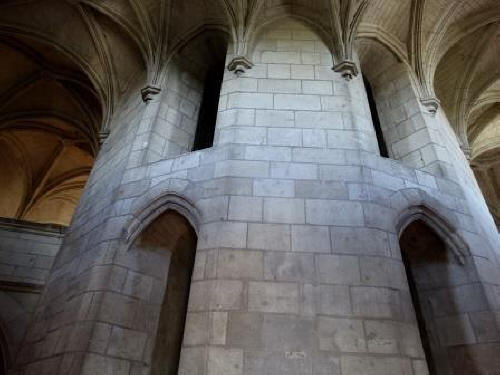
[(171, 234), (427, 264), (376, 120), (207, 117)]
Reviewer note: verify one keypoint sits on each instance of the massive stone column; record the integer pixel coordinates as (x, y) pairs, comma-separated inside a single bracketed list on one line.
[(298, 268)]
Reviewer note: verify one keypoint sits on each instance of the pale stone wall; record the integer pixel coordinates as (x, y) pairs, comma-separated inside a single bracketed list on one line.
[(27, 251), (298, 268), (175, 125)]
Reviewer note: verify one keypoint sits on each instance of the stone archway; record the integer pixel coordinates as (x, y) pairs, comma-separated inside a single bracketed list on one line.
[(444, 290), (171, 241)]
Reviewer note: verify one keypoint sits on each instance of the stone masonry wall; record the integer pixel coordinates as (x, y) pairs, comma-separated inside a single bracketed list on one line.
[(27, 252), (298, 268)]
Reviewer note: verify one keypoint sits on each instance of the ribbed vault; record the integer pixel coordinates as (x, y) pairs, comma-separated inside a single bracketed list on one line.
[(450, 48)]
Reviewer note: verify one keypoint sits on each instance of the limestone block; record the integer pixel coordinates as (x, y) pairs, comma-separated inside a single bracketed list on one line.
[(387, 181), (324, 73), (241, 84), (214, 295), (250, 100), (268, 153), (278, 71), (240, 264), (272, 118), (302, 71), (273, 297), (118, 309), (295, 45), (269, 237), (378, 217), (351, 365), (314, 138), (334, 300), (245, 135), (271, 57), (241, 168), (310, 58), (296, 171), (360, 241), (197, 331), (410, 344), (244, 330), (97, 364), (126, 343), (375, 302), (284, 210), (328, 212), (318, 120), (213, 209), (338, 269), (192, 361), (341, 173), (99, 338), (222, 234), (235, 117), (310, 238), (455, 330), (321, 189), (289, 267), (335, 103), (382, 337), (283, 86), (326, 363), (381, 271), (317, 155), (274, 188), (284, 137), (273, 362), (287, 333), (224, 361), (316, 87), (420, 367), (485, 327), (341, 335), (297, 102), (245, 208), (138, 285)]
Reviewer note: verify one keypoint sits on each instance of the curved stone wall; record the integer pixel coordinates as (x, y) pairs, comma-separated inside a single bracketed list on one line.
[(298, 268)]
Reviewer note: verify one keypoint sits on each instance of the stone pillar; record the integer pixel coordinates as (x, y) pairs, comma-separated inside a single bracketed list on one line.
[(298, 268), (303, 275)]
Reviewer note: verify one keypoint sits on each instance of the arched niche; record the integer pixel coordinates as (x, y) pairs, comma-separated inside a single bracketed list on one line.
[(170, 242), (443, 283)]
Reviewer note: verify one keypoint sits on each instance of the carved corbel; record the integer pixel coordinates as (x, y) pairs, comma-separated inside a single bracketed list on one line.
[(431, 104), (149, 92), (239, 65), (347, 69), (102, 137), (466, 150)]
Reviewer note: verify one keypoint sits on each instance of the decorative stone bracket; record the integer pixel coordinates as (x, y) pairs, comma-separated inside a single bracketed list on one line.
[(239, 65), (431, 104), (149, 92), (102, 136), (347, 69)]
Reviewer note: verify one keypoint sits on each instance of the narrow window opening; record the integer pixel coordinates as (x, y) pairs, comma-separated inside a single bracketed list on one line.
[(205, 130), (376, 120)]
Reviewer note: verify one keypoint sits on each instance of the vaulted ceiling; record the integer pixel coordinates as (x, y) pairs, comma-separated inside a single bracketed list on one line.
[(85, 53)]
